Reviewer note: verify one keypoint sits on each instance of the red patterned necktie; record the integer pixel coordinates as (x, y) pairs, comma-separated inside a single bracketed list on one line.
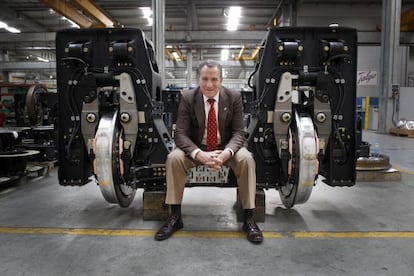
[(211, 127)]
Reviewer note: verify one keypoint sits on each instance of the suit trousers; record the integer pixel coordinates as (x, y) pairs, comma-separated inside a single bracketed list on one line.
[(242, 164)]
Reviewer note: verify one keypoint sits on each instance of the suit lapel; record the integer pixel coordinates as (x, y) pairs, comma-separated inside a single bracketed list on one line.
[(223, 111), (199, 112)]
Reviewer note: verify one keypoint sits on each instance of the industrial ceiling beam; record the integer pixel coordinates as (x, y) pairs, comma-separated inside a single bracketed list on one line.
[(69, 12), (24, 65), (251, 57), (13, 18), (239, 56), (192, 17), (407, 16), (171, 36), (169, 54), (407, 21), (197, 38), (255, 52), (273, 21), (179, 53), (95, 12)]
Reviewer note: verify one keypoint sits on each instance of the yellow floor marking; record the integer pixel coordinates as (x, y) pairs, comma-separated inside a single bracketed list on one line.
[(354, 235), (206, 234), (76, 231)]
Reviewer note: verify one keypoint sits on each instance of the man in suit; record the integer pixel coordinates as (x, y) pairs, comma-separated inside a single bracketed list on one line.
[(210, 131)]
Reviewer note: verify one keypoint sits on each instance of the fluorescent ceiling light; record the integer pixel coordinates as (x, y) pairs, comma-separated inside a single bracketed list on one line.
[(12, 29), (147, 14), (74, 25), (8, 28), (42, 59), (176, 56), (224, 54), (233, 16)]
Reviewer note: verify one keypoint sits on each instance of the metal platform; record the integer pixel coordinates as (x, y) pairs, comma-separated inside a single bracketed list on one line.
[(8, 180)]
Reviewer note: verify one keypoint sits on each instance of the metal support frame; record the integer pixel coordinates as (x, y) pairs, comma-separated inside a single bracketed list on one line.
[(158, 30), (390, 40), (189, 67)]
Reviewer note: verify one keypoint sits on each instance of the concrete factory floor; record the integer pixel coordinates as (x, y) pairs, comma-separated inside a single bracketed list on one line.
[(367, 229)]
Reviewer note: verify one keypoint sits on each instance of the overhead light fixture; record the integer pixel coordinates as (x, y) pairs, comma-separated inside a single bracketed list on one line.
[(74, 25), (147, 14), (224, 54), (12, 30), (170, 74), (42, 59), (176, 56), (8, 28), (233, 17)]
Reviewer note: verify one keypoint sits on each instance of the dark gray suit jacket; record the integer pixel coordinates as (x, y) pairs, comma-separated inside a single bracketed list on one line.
[(191, 120)]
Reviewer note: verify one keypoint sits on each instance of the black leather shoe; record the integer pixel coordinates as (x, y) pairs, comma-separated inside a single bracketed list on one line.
[(173, 224), (254, 234)]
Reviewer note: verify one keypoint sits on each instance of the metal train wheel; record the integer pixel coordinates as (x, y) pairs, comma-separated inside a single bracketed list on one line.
[(107, 149), (33, 104), (304, 163)]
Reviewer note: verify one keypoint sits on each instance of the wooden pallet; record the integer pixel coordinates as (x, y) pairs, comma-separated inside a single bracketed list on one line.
[(402, 132), (379, 175)]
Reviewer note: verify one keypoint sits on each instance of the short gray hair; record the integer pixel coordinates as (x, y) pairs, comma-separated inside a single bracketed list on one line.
[(210, 64)]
